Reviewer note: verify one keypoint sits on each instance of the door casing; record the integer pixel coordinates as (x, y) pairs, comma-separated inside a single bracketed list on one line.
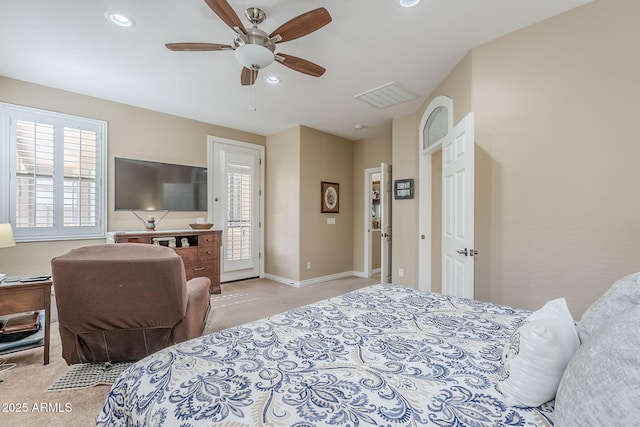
[(426, 205), (213, 185)]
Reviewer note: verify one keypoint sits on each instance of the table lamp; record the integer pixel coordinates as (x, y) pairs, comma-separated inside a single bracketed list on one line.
[(6, 241)]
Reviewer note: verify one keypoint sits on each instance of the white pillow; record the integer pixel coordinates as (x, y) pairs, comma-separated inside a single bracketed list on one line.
[(537, 354)]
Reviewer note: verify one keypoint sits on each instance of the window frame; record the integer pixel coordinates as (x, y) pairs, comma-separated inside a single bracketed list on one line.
[(9, 115)]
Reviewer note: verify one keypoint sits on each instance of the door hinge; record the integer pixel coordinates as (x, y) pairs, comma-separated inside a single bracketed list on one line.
[(259, 255)]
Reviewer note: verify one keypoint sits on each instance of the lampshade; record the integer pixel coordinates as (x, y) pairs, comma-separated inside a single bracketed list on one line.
[(6, 236), (253, 56)]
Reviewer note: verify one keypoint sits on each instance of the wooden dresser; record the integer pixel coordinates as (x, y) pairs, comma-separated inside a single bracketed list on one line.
[(199, 249)]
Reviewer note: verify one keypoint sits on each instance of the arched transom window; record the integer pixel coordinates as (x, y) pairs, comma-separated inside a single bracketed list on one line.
[(436, 127)]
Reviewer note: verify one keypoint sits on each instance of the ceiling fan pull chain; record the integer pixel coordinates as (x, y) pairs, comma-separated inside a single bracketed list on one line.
[(252, 93)]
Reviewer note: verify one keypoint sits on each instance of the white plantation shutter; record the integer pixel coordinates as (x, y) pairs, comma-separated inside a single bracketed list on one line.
[(239, 192), (56, 182), (79, 177), (34, 174)]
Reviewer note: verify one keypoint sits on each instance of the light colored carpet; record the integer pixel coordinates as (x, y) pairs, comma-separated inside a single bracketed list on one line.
[(240, 302)]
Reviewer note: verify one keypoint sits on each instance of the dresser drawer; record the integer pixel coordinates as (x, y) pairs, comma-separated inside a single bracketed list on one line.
[(207, 254), (208, 239), (199, 270), (210, 270)]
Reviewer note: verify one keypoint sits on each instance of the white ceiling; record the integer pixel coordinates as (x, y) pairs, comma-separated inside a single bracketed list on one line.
[(69, 44)]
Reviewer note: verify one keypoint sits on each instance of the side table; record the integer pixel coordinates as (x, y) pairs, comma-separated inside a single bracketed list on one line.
[(20, 297)]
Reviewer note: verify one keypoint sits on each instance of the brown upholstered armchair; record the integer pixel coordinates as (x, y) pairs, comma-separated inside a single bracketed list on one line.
[(122, 302)]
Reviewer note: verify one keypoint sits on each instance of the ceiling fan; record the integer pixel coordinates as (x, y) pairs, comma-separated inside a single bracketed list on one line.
[(254, 48)]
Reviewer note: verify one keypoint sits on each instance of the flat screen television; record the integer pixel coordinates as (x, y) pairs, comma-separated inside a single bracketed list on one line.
[(155, 186)]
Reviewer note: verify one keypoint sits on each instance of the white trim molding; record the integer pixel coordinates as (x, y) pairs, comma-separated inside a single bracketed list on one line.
[(425, 238), (303, 283)]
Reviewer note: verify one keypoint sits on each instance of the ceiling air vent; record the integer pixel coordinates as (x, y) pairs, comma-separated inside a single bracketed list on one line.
[(385, 95)]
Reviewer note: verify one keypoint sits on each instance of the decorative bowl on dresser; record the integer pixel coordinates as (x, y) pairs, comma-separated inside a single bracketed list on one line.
[(199, 249)]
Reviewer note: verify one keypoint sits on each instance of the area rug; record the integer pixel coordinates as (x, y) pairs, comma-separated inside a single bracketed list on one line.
[(86, 375)]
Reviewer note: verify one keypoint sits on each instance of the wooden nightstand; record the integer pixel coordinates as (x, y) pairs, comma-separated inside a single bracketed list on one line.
[(20, 297)]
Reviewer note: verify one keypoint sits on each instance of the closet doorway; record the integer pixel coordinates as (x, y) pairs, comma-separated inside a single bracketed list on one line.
[(377, 222), (372, 222)]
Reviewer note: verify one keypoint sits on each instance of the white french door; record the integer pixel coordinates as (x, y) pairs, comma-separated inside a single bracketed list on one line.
[(457, 210), (236, 206)]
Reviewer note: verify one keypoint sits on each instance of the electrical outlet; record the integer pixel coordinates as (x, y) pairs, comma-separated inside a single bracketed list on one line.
[(401, 272), (308, 265)]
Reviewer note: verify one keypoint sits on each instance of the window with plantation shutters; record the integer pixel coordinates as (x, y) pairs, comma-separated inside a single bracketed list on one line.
[(55, 186)]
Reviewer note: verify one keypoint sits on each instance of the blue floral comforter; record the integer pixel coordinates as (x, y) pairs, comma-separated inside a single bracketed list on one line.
[(383, 355)]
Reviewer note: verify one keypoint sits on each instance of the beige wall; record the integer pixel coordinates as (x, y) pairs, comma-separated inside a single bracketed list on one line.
[(298, 159), (132, 132), (556, 167), (404, 215), (282, 204), (329, 248), (556, 106), (367, 153)]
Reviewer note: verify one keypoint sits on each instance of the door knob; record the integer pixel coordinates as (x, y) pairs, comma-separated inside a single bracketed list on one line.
[(463, 252)]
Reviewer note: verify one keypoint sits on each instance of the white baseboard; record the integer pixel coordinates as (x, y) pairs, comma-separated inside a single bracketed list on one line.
[(307, 282), (282, 280), (364, 275)]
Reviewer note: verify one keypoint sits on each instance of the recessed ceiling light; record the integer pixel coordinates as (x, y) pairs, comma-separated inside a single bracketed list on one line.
[(409, 3), (359, 126), (120, 19), (272, 80)]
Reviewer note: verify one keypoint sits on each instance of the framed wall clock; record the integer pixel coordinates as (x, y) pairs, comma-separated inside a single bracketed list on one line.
[(329, 197)]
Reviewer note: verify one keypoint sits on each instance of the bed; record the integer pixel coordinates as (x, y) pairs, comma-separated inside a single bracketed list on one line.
[(382, 355)]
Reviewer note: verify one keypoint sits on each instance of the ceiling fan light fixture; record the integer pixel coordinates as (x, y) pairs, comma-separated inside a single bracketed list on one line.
[(253, 56), (120, 19), (409, 3)]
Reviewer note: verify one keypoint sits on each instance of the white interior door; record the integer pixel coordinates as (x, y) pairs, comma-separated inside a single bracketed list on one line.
[(385, 221), (372, 241), (458, 210), (236, 208)]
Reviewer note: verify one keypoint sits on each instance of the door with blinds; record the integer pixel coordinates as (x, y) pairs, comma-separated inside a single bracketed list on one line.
[(236, 207)]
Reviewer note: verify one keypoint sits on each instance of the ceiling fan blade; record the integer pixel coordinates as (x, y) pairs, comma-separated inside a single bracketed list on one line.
[(194, 47), (225, 12), (248, 76), (302, 25), (301, 65)]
